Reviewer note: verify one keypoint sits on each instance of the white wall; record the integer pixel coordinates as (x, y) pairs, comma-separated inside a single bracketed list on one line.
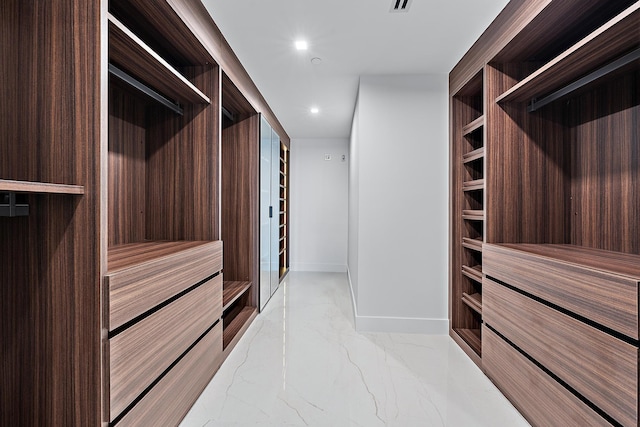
[(319, 204), (400, 175)]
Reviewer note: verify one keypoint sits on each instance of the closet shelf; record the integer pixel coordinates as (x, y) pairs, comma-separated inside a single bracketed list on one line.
[(476, 184), (128, 51), (474, 273), (39, 187), (474, 301), (231, 291), (603, 45), (472, 338), (239, 322), (474, 244), (473, 126), (476, 154), (473, 215)]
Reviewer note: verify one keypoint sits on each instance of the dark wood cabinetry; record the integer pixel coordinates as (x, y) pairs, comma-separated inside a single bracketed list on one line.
[(121, 190), (559, 243)]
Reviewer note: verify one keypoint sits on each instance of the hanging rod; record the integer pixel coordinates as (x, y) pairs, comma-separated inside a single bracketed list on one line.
[(228, 114), (10, 207), (600, 72), (145, 89)]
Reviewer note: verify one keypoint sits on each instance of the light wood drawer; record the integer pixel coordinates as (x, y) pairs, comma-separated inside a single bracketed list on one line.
[(605, 298), (139, 354), (602, 368), (171, 398), (542, 400), (155, 272)]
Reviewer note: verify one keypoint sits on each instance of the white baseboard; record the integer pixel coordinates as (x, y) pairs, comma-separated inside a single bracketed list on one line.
[(404, 325), (324, 268), (407, 325)]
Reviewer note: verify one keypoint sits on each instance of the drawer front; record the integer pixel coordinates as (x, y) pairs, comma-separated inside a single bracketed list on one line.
[(169, 401), (604, 298), (597, 365), (542, 400), (133, 291), (139, 354)]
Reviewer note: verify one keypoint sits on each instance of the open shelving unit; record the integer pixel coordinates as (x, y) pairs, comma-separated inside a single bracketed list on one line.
[(284, 211), (544, 206), (239, 219), (468, 215)]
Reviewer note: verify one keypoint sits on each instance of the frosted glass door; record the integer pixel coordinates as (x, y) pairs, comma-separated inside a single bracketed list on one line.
[(265, 203)]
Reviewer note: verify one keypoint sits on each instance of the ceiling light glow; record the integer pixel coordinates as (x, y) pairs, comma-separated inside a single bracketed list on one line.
[(302, 45), (315, 110)]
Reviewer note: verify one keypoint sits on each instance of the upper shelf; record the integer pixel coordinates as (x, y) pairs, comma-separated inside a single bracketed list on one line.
[(473, 126), (131, 53), (605, 44), (39, 187)]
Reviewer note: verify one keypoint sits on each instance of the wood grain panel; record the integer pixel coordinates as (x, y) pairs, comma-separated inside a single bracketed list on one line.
[(169, 401), (126, 165), (39, 187), (240, 209), (527, 164), (234, 101), (605, 172), (143, 275), (236, 328), (232, 291), (621, 34), (138, 355), (600, 367), (181, 174), (542, 400), (49, 265), (150, 19), (130, 53), (579, 281)]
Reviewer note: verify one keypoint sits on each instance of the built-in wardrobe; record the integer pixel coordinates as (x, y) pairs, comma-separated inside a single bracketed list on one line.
[(545, 238), (129, 209)]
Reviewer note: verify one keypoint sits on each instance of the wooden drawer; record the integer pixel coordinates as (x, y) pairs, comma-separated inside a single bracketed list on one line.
[(597, 365), (594, 293), (542, 400), (139, 354), (171, 398), (143, 275)]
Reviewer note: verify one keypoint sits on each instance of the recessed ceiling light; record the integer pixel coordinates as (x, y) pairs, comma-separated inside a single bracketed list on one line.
[(315, 110), (316, 60), (302, 45)]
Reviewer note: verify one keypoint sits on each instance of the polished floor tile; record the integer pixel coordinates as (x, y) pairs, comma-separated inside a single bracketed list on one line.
[(301, 363)]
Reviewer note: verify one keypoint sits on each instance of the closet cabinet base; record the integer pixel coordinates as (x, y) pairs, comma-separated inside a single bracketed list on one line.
[(171, 398), (541, 399)]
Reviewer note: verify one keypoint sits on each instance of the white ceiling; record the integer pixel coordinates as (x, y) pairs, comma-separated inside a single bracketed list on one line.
[(353, 38)]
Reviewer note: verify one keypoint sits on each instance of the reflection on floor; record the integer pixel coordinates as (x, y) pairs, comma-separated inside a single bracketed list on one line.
[(301, 363)]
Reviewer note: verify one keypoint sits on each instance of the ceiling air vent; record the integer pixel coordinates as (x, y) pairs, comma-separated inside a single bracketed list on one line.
[(400, 5)]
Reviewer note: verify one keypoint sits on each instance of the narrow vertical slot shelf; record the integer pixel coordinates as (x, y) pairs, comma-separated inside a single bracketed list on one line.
[(468, 214)]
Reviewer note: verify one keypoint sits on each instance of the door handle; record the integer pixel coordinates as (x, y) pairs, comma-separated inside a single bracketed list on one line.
[(270, 211)]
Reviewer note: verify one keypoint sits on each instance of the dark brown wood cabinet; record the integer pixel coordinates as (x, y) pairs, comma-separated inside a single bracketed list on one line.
[(121, 187), (554, 87)]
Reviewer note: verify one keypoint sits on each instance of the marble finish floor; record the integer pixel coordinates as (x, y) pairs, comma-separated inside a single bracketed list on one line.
[(301, 363)]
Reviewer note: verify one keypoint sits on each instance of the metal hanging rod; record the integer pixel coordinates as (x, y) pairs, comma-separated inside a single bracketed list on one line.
[(11, 207), (145, 89), (600, 72), (228, 114)]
